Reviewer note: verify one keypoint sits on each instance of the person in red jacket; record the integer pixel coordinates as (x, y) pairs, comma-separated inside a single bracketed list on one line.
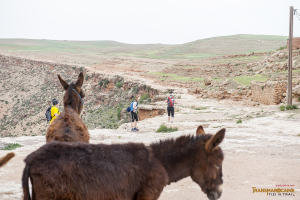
[(171, 101)]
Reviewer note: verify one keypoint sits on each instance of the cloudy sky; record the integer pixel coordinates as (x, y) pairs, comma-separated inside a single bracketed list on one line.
[(141, 21)]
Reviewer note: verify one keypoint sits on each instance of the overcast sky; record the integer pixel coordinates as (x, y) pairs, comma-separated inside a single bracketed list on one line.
[(140, 21)]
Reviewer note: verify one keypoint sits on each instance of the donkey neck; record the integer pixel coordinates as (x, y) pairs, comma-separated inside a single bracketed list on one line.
[(177, 156)]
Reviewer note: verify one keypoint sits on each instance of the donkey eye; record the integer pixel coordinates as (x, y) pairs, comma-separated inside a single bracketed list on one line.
[(218, 166)]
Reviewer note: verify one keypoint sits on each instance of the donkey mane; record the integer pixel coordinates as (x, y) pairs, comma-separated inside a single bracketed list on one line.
[(182, 142)]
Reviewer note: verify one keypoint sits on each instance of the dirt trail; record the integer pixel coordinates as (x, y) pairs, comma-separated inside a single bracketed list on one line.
[(262, 151)]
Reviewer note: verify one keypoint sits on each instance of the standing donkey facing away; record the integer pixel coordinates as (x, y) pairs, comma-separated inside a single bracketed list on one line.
[(6, 158), (131, 171), (68, 126)]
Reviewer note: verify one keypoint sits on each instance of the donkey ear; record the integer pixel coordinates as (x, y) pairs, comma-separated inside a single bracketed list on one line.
[(200, 130), (79, 80), (215, 140), (64, 83)]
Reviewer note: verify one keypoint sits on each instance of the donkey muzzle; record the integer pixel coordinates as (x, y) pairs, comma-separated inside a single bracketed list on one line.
[(214, 195)]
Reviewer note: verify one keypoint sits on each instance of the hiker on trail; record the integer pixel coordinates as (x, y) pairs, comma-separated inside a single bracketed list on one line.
[(171, 101), (134, 114), (54, 110)]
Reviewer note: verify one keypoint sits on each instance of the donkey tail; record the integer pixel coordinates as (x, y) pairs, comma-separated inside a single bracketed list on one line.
[(26, 193), (6, 158)]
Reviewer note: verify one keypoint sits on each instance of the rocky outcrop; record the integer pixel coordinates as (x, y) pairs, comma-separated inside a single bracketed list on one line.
[(159, 98), (149, 111)]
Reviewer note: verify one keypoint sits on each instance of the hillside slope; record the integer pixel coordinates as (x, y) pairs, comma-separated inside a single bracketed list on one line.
[(27, 87), (217, 46)]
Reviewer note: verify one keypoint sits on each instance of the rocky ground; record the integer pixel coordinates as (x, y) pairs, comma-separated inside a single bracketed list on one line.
[(262, 151)]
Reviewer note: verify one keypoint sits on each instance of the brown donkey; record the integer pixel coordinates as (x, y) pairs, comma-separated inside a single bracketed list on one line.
[(68, 126), (131, 171), (6, 158)]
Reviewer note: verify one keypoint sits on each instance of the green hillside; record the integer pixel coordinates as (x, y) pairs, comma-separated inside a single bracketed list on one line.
[(217, 46)]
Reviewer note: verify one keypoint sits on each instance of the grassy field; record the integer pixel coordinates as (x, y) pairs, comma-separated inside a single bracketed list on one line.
[(245, 80), (217, 46)]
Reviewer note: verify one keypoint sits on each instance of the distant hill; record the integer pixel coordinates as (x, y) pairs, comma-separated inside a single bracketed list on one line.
[(216, 46)]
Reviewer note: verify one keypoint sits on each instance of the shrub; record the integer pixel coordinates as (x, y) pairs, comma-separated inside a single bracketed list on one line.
[(295, 106), (164, 129), (119, 84), (282, 108), (103, 82), (11, 146), (86, 77), (119, 113), (291, 107), (281, 48), (144, 96), (148, 89), (239, 121)]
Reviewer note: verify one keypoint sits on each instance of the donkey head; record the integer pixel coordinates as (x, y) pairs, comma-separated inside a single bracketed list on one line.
[(207, 171), (74, 93)]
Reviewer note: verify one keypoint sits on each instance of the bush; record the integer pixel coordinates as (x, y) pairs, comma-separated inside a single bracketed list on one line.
[(288, 107), (281, 48), (291, 107), (119, 113), (295, 106), (11, 146), (282, 108), (144, 96), (119, 84), (103, 82), (164, 129), (239, 121)]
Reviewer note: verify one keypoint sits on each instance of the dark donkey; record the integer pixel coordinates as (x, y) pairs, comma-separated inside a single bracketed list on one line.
[(131, 171), (68, 126)]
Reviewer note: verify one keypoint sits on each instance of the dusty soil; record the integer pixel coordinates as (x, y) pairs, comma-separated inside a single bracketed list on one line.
[(262, 151)]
